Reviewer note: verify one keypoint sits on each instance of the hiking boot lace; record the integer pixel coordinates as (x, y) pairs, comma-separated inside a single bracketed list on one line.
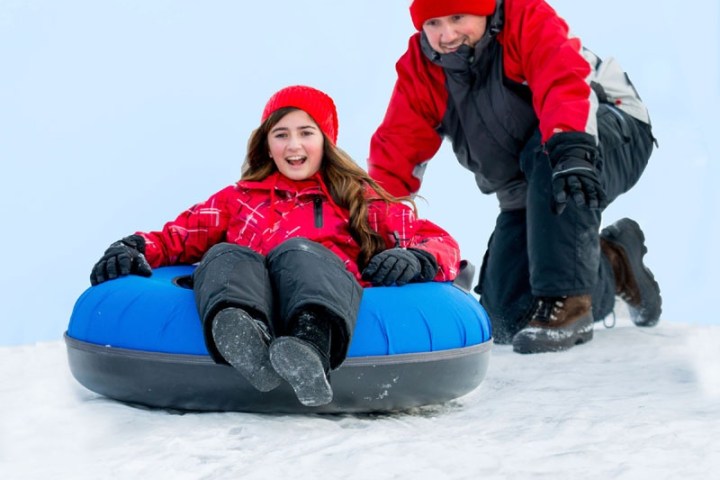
[(627, 297), (548, 308)]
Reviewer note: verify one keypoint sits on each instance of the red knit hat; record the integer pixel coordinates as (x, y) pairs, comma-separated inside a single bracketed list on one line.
[(313, 102), (422, 10)]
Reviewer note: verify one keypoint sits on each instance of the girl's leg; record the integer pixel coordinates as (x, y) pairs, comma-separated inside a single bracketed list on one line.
[(234, 300), (317, 302)]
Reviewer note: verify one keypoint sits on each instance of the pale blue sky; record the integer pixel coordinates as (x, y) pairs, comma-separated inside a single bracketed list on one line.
[(117, 115)]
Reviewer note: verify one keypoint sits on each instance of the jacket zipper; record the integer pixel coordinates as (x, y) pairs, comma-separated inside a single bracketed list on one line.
[(318, 212)]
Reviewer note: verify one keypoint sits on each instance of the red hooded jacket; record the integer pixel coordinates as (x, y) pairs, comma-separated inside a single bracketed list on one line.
[(538, 52), (263, 214)]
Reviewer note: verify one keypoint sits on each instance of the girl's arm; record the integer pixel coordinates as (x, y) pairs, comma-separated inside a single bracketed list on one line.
[(185, 239), (397, 223)]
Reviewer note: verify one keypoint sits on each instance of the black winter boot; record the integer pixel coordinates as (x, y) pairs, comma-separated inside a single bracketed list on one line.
[(556, 324), (303, 359), (623, 243), (243, 342)]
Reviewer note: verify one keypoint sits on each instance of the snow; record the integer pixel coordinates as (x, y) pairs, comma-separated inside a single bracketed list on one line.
[(634, 403)]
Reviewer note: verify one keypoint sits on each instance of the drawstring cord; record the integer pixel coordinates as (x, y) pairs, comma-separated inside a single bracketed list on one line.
[(609, 324)]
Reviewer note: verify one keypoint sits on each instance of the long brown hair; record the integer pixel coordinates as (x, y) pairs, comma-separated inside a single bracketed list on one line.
[(344, 178)]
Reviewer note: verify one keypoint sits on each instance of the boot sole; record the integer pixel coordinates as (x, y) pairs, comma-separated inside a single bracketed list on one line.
[(300, 365), (625, 232), (243, 346), (546, 340)]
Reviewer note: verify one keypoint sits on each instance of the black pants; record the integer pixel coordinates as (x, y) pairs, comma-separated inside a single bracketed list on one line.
[(533, 252), (298, 274)]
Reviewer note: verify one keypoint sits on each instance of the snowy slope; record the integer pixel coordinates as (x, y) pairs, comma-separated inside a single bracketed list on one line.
[(632, 404)]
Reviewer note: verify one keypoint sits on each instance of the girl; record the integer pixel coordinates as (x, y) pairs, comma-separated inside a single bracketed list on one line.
[(284, 253)]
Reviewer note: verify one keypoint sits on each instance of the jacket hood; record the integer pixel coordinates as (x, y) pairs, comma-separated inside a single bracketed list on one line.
[(466, 57), (278, 181), (463, 59)]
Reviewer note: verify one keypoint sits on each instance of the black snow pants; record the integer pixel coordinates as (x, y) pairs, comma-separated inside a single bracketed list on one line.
[(533, 252), (298, 274)]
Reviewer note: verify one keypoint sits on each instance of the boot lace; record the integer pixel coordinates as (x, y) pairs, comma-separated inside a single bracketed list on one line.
[(548, 308), (627, 297)]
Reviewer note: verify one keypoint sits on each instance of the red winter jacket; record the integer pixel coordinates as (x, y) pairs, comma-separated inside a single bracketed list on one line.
[(263, 214), (537, 52)]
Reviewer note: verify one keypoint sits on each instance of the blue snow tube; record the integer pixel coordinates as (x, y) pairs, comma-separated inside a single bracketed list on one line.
[(139, 340)]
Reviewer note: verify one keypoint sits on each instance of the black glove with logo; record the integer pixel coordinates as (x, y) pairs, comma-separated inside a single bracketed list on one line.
[(124, 257), (575, 164), (400, 266)]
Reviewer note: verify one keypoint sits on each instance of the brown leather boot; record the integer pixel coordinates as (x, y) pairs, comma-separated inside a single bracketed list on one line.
[(556, 324), (623, 243)]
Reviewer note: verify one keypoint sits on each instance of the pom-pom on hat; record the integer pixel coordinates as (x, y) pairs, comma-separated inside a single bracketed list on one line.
[(422, 10), (312, 101)]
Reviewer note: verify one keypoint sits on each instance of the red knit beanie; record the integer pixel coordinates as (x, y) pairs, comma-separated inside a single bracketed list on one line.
[(313, 102), (422, 10)]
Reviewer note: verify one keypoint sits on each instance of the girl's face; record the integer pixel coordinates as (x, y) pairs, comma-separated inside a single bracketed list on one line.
[(446, 34), (296, 145)]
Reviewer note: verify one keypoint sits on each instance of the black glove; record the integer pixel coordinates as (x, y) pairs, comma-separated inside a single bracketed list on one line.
[(123, 257), (400, 266), (428, 265), (575, 164)]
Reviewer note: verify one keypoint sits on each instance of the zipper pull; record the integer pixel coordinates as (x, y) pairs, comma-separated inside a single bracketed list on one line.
[(317, 207)]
